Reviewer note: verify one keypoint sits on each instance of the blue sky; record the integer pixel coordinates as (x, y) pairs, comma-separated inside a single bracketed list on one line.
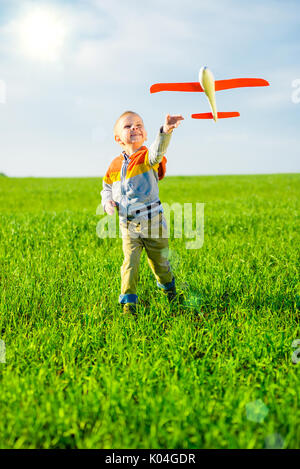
[(63, 92)]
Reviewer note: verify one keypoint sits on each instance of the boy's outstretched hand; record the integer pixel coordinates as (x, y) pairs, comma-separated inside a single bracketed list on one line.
[(171, 122)]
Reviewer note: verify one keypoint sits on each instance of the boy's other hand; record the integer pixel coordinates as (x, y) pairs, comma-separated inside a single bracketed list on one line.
[(171, 122), (110, 207)]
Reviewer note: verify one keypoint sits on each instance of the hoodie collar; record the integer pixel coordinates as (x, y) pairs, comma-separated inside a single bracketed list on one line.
[(128, 157)]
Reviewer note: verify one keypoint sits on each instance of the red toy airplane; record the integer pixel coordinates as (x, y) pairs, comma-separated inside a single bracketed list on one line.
[(208, 84)]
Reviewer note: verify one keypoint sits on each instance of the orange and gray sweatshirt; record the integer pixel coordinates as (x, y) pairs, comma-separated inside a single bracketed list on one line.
[(131, 181)]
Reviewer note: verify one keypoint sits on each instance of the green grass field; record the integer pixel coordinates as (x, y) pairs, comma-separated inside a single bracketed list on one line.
[(76, 374)]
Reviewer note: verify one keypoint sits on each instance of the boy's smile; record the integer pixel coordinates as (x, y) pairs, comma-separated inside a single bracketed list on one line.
[(131, 133)]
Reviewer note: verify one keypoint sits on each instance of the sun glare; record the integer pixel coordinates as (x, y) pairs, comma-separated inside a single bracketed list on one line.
[(42, 34)]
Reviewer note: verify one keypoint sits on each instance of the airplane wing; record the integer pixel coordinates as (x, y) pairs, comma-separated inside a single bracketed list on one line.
[(175, 87), (221, 115), (239, 83), (219, 85)]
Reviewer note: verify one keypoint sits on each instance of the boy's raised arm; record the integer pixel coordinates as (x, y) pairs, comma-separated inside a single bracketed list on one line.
[(161, 143)]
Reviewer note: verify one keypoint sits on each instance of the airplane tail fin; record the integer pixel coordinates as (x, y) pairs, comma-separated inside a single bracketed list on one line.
[(221, 115)]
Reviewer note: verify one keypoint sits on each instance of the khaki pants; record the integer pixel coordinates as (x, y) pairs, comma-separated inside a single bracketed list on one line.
[(153, 236)]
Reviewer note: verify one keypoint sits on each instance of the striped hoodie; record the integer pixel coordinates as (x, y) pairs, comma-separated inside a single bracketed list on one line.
[(132, 181)]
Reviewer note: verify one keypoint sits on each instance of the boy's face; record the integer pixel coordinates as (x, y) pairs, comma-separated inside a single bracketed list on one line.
[(131, 131)]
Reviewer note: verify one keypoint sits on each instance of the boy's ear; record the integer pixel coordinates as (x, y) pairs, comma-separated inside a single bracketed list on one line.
[(118, 140)]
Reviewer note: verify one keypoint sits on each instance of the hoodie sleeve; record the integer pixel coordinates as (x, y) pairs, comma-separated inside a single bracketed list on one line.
[(159, 147), (106, 193)]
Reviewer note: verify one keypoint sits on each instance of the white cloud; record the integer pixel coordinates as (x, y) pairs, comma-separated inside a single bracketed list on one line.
[(134, 47)]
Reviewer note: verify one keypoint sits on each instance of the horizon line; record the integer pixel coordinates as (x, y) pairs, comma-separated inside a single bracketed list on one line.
[(2, 175)]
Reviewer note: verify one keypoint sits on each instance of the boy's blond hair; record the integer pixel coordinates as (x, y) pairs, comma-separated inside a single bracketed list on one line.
[(119, 118)]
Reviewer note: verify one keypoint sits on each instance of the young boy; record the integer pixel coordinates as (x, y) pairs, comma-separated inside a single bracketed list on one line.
[(131, 185)]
